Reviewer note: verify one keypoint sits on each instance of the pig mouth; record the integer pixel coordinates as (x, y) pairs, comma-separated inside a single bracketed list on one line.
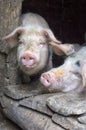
[(29, 64)]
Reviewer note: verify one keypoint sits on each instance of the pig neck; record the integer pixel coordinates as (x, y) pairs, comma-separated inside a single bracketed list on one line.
[(37, 76)]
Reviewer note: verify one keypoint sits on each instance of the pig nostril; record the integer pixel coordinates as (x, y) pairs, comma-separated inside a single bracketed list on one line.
[(47, 80), (43, 75), (24, 58), (46, 77), (27, 58), (31, 58)]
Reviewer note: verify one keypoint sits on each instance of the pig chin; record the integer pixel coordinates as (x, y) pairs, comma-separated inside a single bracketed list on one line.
[(29, 67)]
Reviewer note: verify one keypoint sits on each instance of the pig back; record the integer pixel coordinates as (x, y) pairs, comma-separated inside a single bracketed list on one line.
[(34, 20)]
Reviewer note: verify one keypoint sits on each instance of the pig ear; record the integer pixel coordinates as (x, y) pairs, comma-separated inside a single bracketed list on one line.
[(12, 38), (65, 49), (50, 36), (58, 47)]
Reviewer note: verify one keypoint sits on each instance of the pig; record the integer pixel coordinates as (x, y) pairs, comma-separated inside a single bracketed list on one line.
[(70, 76), (34, 40)]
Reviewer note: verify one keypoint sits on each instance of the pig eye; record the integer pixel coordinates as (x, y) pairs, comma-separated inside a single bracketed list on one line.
[(78, 63), (21, 42), (42, 44)]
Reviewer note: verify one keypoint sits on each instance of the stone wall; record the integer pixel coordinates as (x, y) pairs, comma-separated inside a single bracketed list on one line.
[(10, 11), (9, 19)]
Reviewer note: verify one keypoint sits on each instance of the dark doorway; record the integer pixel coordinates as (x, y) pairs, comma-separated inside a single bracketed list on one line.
[(67, 18)]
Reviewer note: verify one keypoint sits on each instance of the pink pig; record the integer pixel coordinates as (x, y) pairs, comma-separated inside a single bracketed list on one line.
[(69, 76), (34, 39)]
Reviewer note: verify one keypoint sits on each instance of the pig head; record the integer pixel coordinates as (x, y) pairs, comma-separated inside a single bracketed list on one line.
[(34, 39), (71, 76)]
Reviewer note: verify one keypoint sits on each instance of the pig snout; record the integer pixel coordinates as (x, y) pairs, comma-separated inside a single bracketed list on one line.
[(47, 79), (28, 60)]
